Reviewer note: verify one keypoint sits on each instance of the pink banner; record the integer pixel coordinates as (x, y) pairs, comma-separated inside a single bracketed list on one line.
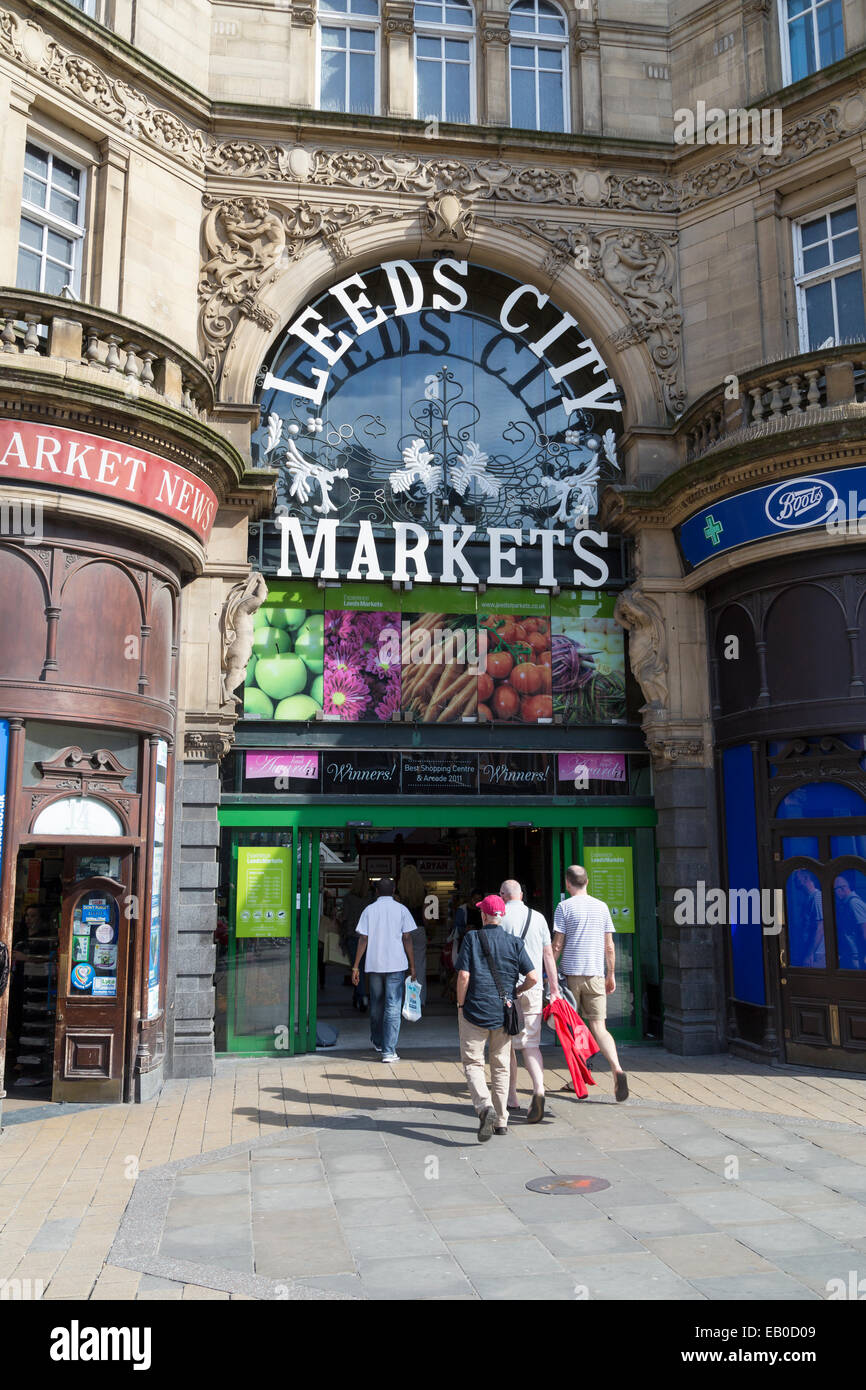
[(282, 765), (596, 767)]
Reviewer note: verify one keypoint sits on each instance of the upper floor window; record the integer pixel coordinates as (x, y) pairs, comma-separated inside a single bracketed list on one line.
[(445, 60), (829, 279), (538, 68), (85, 6), (813, 36), (348, 34), (51, 236)]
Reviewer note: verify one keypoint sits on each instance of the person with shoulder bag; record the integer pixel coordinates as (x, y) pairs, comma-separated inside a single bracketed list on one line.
[(489, 966), (529, 926)]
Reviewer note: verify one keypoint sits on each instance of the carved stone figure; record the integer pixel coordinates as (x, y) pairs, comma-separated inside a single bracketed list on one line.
[(237, 632), (647, 645)]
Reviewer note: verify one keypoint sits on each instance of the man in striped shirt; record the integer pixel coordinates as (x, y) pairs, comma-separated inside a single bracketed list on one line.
[(583, 933)]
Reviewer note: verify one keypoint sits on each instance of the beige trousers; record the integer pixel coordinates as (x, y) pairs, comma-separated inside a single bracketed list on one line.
[(472, 1040)]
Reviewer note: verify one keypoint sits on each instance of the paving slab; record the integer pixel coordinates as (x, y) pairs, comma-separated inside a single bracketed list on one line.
[(694, 1255), (629, 1276), (657, 1219), (423, 1277), (785, 1237), (741, 1288)]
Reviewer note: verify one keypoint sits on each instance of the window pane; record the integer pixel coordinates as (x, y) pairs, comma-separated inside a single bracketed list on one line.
[(334, 6), (36, 161), (29, 267), (819, 315), (59, 247), (831, 39), (364, 39), (813, 231), (458, 14), (845, 220), (457, 50), (64, 206), (31, 233), (802, 48), (847, 844), (849, 892), (333, 81), (795, 845), (796, 7), (820, 799), (522, 23), (816, 257), (456, 92), (66, 178), (523, 99), (368, 7), (34, 191), (429, 90), (805, 914), (333, 38), (550, 96), (361, 84), (844, 247), (550, 58), (429, 48), (428, 14), (849, 307), (56, 277)]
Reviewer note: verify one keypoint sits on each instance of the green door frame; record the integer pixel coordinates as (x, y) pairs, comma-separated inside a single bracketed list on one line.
[(304, 823)]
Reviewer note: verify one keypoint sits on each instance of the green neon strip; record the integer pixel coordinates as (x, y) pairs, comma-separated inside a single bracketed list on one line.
[(471, 817)]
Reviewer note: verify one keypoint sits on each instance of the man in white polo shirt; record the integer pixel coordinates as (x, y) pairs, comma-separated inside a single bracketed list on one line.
[(528, 924), (384, 933), (583, 932)]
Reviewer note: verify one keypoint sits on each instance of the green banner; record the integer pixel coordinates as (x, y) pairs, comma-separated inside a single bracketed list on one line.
[(367, 598), (611, 878), (583, 603), (264, 891), (437, 598), (513, 601)]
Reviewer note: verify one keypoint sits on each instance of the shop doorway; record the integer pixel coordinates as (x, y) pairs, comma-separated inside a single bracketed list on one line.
[(68, 1014), (282, 967), (822, 947)]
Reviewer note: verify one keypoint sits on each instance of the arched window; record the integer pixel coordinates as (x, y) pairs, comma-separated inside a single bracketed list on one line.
[(349, 48), (539, 77), (445, 60)]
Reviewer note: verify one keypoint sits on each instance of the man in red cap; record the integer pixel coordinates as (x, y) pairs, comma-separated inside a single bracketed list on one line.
[(488, 968)]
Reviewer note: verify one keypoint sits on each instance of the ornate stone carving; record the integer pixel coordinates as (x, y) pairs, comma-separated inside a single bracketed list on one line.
[(237, 632), (492, 34), (638, 270), (447, 219), (671, 750), (303, 15), (398, 26), (209, 747), (585, 42), (251, 245), (647, 644)]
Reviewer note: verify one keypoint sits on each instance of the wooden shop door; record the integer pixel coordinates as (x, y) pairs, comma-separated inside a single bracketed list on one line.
[(93, 954)]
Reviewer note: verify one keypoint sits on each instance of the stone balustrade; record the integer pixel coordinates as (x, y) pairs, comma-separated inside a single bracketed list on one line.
[(788, 394), (136, 360)]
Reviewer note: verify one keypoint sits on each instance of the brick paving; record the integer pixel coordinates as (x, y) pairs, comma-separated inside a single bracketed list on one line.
[(314, 1177)]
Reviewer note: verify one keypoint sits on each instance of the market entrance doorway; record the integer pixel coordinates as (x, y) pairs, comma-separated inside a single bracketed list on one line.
[(282, 960)]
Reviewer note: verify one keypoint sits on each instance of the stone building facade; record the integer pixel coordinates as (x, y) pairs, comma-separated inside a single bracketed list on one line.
[(213, 196)]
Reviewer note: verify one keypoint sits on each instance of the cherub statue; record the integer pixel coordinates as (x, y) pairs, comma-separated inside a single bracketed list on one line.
[(647, 646), (237, 632)]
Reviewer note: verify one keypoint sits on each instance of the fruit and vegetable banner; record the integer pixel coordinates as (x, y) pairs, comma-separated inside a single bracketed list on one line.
[(363, 656), (611, 878), (515, 683), (285, 675), (440, 655), (588, 658)]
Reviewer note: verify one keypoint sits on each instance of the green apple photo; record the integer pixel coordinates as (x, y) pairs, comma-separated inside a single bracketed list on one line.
[(285, 673)]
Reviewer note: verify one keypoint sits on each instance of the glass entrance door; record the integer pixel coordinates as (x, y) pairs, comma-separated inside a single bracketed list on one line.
[(822, 947)]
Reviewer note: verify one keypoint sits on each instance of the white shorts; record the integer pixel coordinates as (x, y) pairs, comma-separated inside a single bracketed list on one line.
[(531, 1004)]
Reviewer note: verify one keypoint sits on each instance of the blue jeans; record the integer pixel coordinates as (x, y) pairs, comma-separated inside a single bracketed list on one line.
[(386, 1003)]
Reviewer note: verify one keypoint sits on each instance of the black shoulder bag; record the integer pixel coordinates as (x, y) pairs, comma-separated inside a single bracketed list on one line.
[(512, 1022)]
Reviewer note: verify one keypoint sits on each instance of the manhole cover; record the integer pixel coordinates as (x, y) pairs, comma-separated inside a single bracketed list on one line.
[(567, 1187)]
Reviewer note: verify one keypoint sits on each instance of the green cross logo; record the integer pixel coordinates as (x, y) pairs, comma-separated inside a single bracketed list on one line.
[(713, 530)]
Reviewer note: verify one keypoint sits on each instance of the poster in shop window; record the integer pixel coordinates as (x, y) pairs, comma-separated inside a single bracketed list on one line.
[(588, 658), (362, 656), (516, 683), (611, 878), (441, 656), (264, 891), (284, 677)]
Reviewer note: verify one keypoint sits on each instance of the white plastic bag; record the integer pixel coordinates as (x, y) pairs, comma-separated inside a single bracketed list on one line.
[(412, 1001)]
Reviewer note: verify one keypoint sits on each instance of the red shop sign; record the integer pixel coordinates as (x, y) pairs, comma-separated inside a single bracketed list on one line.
[(53, 457)]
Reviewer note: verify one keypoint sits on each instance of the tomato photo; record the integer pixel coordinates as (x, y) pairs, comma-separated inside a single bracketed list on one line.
[(526, 679), (485, 686), (506, 702), (535, 708), (500, 665)]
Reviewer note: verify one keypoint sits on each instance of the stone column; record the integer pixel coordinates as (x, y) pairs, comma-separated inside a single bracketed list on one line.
[(774, 267), (493, 58), (761, 49), (302, 54), (399, 58), (15, 103), (668, 655), (587, 113), (858, 162), (107, 248), (854, 20)]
